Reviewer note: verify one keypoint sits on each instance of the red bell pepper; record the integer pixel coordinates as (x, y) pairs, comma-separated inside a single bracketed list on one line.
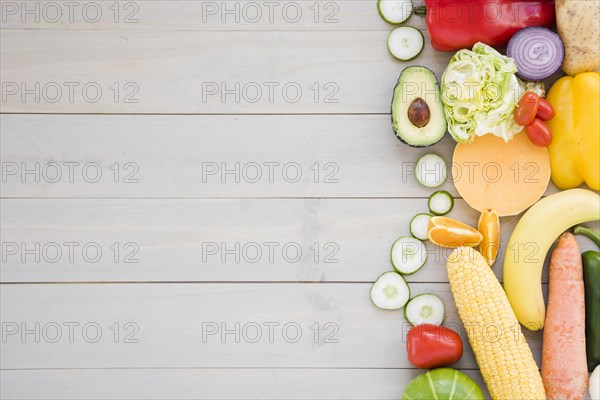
[(459, 24), (431, 346)]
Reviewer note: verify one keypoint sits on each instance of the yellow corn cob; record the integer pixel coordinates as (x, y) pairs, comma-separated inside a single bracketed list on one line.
[(503, 355)]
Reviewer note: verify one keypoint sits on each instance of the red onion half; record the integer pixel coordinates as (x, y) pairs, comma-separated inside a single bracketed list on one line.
[(538, 52)]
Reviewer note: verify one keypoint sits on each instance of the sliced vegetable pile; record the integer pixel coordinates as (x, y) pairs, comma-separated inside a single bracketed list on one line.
[(493, 106), (428, 343), (405, 42)]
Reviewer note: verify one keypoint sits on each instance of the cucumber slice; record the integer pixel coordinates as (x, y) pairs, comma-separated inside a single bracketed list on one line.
[(431, 170), (425, 309), (440, 202), (405, 43), (408, 255), (390, 291), (419, 224), (394, 11)]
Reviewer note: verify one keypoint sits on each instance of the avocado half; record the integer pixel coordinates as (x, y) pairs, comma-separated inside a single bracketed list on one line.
[(417, 110)]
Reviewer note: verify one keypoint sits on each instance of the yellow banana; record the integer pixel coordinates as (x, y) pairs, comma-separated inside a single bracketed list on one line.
[(529, 243)]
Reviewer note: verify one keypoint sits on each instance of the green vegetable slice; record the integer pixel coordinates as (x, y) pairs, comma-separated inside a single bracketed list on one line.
[(431, 170), (419, 224), (405, 43), (394, 11), (442, 383), (390, 291), (408, 255), (425, 309), (440, 203)]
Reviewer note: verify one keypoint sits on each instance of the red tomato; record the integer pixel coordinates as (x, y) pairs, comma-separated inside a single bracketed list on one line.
[(527, 108), (431, 346), (545, 110), (539, 133)]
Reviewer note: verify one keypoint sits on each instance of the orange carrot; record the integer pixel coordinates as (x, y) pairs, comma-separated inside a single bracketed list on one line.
[(564, 367)]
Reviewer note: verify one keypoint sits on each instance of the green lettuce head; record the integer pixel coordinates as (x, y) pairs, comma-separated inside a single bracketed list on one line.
[(480, 92)]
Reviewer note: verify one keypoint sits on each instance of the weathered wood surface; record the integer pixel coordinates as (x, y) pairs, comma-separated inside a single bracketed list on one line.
[(186, 15), (185, 72)]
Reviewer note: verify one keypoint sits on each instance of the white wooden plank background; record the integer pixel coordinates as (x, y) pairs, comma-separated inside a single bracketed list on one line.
[(176, 72), (186, 15), (159, 56), (190, 156)]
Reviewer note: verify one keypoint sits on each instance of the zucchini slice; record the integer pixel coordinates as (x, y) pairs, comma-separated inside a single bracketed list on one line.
[(395, 11), (419, 224), (440, 202), (390, 291), (408, 255), (405, 43), (431, 170), (425, 309)]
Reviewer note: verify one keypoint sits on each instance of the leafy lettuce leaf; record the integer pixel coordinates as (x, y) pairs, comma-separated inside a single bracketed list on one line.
[(480, 92)]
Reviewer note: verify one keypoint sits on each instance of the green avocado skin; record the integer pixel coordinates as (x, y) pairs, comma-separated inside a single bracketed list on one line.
[(439, 383), (591, 280)]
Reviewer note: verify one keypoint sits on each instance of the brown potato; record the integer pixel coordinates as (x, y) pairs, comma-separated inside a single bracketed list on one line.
[(579, 28)]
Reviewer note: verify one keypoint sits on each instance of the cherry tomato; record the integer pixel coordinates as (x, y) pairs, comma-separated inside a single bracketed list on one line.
[(545, 110), (539, 133), (431, 346), (527, 108)]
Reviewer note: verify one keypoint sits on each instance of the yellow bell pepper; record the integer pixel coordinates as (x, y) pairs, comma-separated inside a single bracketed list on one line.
[(575, 147)]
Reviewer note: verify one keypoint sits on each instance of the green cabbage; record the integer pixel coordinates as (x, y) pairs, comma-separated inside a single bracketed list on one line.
[(480, 92)]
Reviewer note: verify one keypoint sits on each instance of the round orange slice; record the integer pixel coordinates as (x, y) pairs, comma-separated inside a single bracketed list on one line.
[(489, 226), (448, 232)]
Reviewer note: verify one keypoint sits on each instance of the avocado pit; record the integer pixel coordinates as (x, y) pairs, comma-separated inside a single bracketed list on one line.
[(419, 113)]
